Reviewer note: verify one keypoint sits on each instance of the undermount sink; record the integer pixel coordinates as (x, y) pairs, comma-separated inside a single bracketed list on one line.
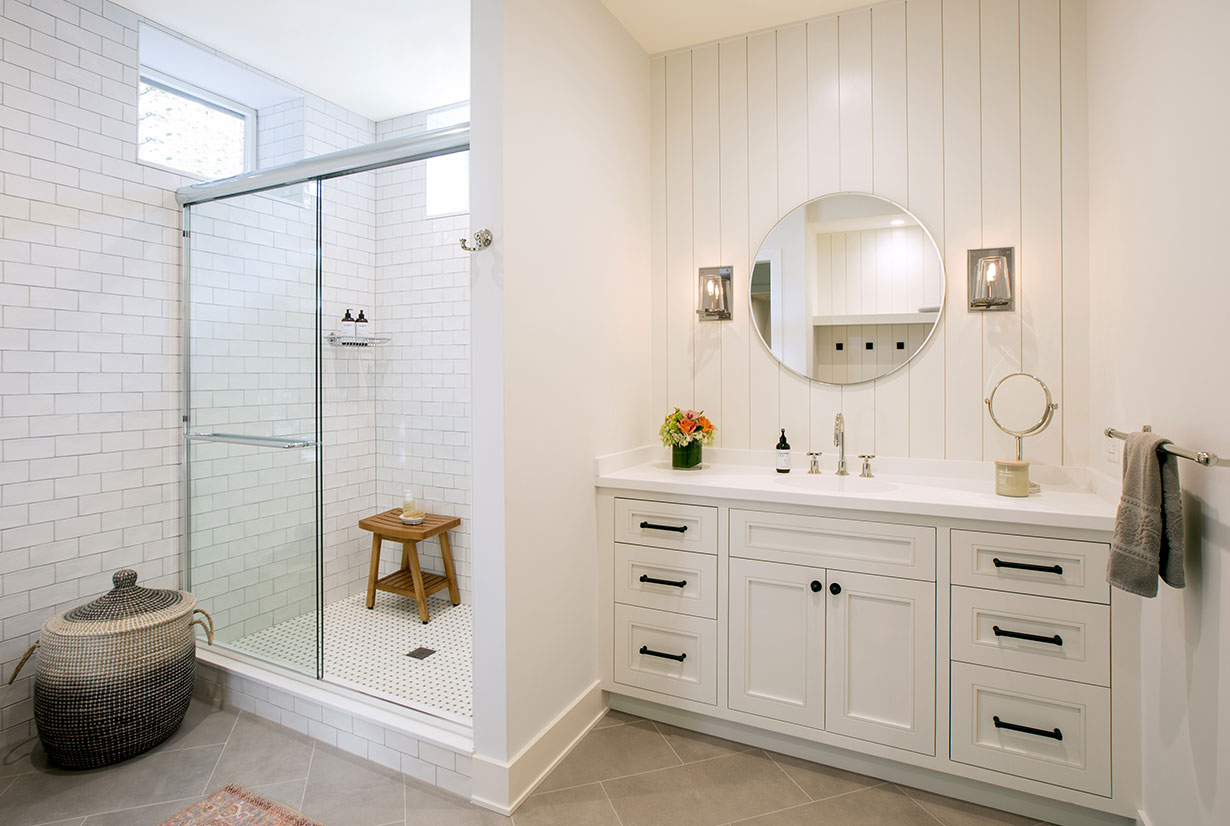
[(837, 484)]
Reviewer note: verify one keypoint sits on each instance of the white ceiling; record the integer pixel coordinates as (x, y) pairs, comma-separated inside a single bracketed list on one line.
[(379, 58), (662, 25)]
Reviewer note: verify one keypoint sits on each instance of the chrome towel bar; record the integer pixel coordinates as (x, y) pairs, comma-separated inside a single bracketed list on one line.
[(254, 441), (1202, 457)]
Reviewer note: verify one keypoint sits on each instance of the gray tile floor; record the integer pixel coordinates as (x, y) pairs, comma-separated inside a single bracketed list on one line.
[(626, 772), (633, 772)]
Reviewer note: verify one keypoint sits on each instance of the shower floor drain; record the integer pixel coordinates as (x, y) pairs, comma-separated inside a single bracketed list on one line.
[(421, 653)]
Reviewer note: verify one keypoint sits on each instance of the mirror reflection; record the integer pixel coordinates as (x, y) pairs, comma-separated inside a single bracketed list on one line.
[(846, 288)]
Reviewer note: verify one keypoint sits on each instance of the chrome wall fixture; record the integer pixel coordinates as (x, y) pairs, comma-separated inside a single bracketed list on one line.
[(713, 296), (992, 279), (482, 240), (1200, 457)]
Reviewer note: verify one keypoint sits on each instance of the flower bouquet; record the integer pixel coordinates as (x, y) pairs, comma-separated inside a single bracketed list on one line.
[(684, 432)]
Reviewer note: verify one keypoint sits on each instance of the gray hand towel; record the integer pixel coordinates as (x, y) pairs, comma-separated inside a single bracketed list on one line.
[(1148, 539)]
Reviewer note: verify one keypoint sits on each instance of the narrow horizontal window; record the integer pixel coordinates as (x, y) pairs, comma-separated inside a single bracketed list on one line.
[(185, 131)]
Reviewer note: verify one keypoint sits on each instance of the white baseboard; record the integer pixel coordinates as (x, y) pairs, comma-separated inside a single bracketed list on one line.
[(501, 786), (1142, 818)]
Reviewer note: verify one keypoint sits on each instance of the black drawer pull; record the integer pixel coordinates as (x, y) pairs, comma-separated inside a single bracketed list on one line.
[(1026, 566), (652, 527), (1054, 734), (648, 652), (680, 584), (1018, 635)]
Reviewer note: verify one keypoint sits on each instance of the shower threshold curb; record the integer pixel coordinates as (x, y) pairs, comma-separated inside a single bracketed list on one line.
[(447, 734)]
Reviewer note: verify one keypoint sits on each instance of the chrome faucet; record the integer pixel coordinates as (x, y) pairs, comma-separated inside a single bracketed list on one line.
[(839, 442)]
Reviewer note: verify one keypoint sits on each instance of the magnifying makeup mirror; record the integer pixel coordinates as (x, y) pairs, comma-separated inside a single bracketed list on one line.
[(1020, 404)]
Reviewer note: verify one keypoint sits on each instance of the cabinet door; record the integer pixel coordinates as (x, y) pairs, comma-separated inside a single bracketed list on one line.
[(881, 660), (776, 664)]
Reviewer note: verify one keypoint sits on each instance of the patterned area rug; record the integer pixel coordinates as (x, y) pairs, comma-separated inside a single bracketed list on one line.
[(235, 805)]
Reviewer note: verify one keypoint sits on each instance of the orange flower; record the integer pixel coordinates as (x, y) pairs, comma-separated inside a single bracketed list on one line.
[(705, 425), (687, 425)]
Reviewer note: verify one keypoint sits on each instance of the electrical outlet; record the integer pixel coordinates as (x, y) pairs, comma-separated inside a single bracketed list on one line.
[(1114, 450)]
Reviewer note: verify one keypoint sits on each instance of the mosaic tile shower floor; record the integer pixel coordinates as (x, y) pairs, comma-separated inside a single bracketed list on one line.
[(367, 650)]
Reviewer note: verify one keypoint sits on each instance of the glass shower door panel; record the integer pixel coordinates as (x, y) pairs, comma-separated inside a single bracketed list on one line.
[(253, 423)]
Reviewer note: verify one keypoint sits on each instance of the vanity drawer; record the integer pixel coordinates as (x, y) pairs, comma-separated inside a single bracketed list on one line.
[(666, 525), (842, 544), (1074, 637), (689, 669), (1066, 741), (678, 581), (1062, 568)]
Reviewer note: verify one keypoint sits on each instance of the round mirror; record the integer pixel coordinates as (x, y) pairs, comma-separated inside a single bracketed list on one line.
[(846, 288)]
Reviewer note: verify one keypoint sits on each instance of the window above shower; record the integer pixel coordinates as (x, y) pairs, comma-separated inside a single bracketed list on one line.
[(187, 129)]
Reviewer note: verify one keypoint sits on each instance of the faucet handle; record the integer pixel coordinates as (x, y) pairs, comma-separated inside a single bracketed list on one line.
[(866, 457), (815, 461)]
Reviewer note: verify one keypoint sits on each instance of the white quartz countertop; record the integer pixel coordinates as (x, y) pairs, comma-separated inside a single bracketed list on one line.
[(958, 490)]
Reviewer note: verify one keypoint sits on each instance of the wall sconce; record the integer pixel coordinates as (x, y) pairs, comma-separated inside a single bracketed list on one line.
[(992, 279), (714, 293)]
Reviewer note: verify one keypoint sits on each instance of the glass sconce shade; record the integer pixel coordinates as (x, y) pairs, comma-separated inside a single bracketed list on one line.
[(993, 287), (714, 293), (990, 279)]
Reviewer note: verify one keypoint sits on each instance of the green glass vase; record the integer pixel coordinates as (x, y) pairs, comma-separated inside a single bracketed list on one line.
[(686, 456)]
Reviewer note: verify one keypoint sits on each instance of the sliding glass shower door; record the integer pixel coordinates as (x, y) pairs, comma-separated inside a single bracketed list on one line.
[(253, 421)]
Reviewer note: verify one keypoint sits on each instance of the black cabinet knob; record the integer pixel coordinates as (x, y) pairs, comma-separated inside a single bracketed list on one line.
[(834, 589), (816, 586)]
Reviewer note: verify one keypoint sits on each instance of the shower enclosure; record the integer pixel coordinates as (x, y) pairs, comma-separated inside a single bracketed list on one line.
[(295, 429)]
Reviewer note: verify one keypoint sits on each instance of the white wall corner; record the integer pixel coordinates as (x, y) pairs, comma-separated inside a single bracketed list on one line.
[(502, 786)]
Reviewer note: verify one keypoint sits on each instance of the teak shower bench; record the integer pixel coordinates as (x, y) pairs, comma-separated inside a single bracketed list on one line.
[(409, 580)]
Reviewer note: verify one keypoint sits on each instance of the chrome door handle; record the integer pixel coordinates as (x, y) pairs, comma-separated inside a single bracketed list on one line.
[(252, 441)]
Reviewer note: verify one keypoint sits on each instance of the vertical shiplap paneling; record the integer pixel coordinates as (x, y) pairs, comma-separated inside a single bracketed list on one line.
[(681, 284), (706, 223), (890, 177), (823, 135), (1001, 196), (657, 237), (854, 34), (737, 335), (1041, 214), (925, 118), (854, 93), (792, 182), (762, 215), (1078, 430), (824, 177), (963, 417), (927, 102)]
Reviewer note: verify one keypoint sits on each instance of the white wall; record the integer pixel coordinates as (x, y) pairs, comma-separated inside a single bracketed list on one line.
[(568, 280), (958, 110), (1158, 173)]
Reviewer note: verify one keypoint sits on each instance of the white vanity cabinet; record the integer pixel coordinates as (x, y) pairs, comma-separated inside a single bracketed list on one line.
[(980, 649), (833, 650)]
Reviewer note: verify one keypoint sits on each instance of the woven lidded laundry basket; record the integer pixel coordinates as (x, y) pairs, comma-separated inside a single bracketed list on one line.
[(115, 675)]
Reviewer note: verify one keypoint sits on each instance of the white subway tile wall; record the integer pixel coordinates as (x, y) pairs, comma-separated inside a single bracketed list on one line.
[(423, 396), (90, 406)]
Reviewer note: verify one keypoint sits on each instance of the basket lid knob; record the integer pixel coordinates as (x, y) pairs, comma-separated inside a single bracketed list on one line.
[(125, 578)]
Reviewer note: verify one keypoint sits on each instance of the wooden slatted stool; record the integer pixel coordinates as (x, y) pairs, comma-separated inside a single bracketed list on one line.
[(409, 580)]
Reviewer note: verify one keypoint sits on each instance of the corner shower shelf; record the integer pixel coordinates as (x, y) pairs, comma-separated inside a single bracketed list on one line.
[(356, 341)]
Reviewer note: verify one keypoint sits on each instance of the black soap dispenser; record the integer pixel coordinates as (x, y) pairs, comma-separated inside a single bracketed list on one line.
[(783, 454)]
